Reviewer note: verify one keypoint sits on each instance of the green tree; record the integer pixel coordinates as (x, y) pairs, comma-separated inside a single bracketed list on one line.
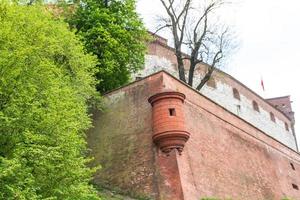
[(46, 80), (116, 35)]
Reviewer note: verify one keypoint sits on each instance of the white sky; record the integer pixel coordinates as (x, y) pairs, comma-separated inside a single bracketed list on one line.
[(269, 35)]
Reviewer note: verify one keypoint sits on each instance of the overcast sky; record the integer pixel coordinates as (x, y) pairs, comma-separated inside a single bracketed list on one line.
[(269, 35)]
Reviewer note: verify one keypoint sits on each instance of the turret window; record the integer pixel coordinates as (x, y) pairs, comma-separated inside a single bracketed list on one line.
[(172, 112)]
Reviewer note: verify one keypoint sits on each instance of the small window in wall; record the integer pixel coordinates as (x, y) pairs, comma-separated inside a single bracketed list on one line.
[(211, 83), (255, 106), (286, 126), (292, 165), (272, 117), (172, 112), (295, 186), (236, 94)]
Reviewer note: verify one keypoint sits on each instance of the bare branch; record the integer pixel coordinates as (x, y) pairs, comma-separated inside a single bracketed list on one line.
[(186, 8), (207, 10), (161, 28), (201, 36)]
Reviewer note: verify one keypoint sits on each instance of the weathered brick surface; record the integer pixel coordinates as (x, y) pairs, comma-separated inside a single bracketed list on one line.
[(168, 176), (121, 141), (225, 156), (161, 56)]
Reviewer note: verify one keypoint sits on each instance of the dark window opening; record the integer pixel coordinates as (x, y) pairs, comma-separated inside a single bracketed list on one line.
[(295, 186), (292, 165), (286, 126), (236, 94), (272, 116), (255, 106), (172, 112)]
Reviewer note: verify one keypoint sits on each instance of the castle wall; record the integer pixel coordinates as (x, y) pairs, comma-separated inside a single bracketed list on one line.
[(225, 156), (121, 141), (160, 56), (223, 95)]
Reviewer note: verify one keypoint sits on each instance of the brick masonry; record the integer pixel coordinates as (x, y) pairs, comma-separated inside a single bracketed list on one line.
[(161, 57), (168, 123), (225, 156)]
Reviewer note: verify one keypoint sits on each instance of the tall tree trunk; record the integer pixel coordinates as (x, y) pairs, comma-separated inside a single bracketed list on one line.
[(206, 77), (180, 67), (191, 73)]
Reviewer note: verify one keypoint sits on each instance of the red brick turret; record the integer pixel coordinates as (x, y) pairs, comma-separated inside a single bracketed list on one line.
[(168, 121)]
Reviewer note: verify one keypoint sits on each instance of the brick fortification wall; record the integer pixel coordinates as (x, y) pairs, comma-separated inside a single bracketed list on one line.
[(161, 56), (224, 156), (121, 141)]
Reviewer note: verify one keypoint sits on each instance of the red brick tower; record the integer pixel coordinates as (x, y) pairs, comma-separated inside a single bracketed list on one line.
[(168, 121)]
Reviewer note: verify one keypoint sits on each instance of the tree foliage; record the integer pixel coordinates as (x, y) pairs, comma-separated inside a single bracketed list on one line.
[(46, 79), (113, 31)]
